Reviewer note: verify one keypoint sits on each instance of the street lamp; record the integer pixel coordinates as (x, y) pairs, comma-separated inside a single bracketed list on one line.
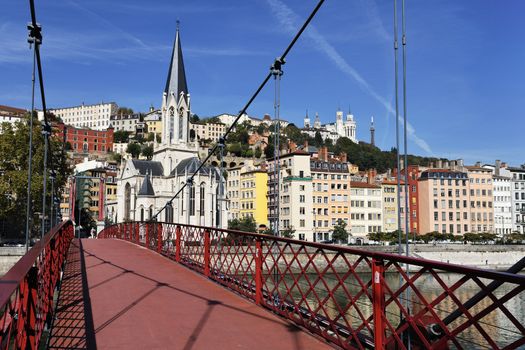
[(315, 224), (52, 177)]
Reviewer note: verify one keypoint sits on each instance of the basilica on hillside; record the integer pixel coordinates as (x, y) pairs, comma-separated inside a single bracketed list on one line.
[(146, 186)]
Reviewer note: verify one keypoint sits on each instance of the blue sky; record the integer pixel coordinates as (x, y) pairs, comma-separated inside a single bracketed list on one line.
[(465, 63)]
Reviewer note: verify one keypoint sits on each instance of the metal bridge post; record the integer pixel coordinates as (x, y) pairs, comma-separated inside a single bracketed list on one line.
[(207, 253), (27, 311), (178, 233), (159, 238), (379, 302), (258, 271), (137, 233)]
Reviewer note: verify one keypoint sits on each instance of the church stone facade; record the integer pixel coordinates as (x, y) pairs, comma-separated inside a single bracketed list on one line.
[(146, 186)]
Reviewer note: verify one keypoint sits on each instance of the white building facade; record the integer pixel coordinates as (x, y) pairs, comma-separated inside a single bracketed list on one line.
[(96, 116), (502, 205), (290, 195), (518, 198), (366, 209)]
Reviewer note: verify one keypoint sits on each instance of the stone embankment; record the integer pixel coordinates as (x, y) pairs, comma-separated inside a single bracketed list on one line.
[(9, 256), (493, 257)]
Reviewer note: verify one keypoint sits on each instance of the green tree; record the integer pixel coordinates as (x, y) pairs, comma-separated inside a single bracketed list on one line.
[(86, 219), (261, 129), (257, 152), (150, 137), (121, 136), (288, 232), (340, 233), (269, 150), (194, 118), (14, 152), (515, 237), (133, 149), (125, 110), (147, 151), (117, 157), (318, 139), (246, 224)]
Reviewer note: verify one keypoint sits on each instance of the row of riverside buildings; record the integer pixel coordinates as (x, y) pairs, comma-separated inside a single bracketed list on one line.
[(308, 190), (315, 189)]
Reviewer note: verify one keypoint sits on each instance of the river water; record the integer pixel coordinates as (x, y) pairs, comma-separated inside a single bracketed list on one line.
[(495, 324)]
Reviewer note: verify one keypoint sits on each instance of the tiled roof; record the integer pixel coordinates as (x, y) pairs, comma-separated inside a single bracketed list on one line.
[(148, 166), (147, 188), (358, 184), (190, 165)]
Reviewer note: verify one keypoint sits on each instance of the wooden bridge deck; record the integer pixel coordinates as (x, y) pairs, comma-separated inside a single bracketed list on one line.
[(117, 295)]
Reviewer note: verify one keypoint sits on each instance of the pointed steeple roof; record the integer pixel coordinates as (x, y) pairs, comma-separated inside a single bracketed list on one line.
[(147, 188), (176, 81)]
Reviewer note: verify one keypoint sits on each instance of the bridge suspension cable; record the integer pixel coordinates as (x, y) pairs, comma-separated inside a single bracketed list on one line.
[(35, 40), (281, 60)]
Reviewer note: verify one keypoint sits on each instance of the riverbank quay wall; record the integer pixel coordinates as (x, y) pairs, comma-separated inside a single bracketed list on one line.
[(491, 257)]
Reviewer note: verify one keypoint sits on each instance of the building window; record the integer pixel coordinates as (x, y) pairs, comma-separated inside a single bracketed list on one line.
[(201, 199)]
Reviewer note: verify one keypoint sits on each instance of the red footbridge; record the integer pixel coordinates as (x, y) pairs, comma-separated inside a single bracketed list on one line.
[(145, 285)]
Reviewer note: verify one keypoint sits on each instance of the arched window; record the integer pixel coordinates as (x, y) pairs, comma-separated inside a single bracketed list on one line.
[(201, 198), (85, 147), (127, 201), (217, 211), (192, 200), (171, 122), (181, 117), (141, 213), (169, 213), (150, 212)]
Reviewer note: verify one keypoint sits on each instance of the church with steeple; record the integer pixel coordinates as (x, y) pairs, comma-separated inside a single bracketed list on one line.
[(145, 186), (333, 131)]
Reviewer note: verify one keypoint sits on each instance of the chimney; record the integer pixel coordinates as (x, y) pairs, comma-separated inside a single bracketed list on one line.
[(504, 165), (431, 165), (460, 164), (388, 173), (292, 146), (445, 164), (497, 167), (453, 164), (371, 176), (478, 164), (401, 164), (323, 153), (439, 164)]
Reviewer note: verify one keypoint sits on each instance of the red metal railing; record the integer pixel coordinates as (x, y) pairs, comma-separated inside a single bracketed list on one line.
[(351, 297), (27, 290)]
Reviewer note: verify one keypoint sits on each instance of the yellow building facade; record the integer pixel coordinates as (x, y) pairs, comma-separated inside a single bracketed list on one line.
[(253, 188)]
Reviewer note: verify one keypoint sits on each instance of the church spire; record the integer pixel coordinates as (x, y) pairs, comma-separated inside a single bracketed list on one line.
[(176, 82)]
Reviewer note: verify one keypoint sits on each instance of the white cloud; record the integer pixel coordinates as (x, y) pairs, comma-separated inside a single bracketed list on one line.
[(289, 20)]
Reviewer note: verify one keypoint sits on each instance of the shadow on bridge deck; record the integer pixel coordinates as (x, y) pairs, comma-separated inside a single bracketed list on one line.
[(117, 295)]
